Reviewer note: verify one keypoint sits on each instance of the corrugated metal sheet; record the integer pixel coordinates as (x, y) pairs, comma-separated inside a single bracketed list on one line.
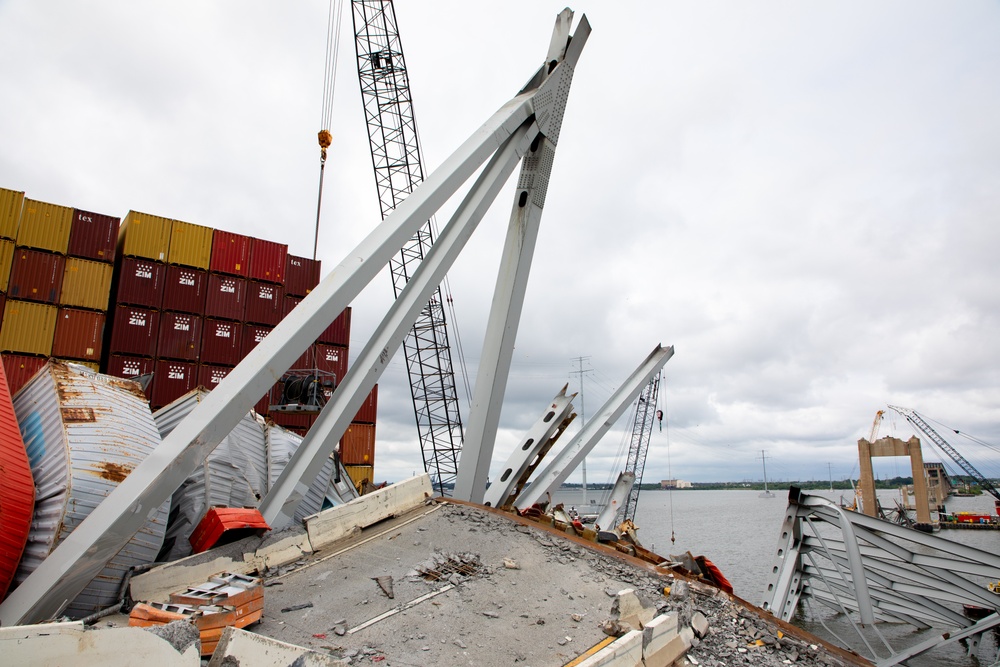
[(17, 490), (190, 245), (28, 327), (145, 235), (301, 275), (184, 290), (180, 336), (281, 444), (230, 253), (45, 226), (357, 447), (93, 236), (360, 474), (6, 260), (226, 297), (210, 375), (172, 379), (86, 284), (78, 335), (265, 303), (84, 433), (368, 411), (36, 275), (11, 202), (221, 342), (140, 282), (252, 335), (233, 475), (20, 368), (339, 331), (134, 331), (267, 261)]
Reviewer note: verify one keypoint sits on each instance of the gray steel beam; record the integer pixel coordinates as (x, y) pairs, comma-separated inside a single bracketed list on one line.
[(619, 494), (562, 465)]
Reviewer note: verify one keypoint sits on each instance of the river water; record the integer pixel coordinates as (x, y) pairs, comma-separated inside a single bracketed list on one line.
[(739, 531)]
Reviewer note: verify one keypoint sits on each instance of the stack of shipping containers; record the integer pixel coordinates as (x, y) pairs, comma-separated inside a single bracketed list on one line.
[(149, 295)]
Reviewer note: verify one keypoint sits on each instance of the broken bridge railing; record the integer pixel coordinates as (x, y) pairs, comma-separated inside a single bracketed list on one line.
[(873, 572)]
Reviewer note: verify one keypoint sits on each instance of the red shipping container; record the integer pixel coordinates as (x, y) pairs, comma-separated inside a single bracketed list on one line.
[(180, 336), (265, 303), (357, 447), (93, 236), (230, 253), (369, 409), (293, 420), (129, 367), (17, 489), (210, 376), (79, 334), (134, 331), (221, 342), (184, 290), (301, 275), (267, 261), (226, 297), (253, 334), (20, 368), (332, 359), (140, 282), (171, 380), (36, 275), (339, 331)]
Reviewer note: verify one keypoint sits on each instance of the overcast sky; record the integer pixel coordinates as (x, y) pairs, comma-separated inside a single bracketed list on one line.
[(801, 198)]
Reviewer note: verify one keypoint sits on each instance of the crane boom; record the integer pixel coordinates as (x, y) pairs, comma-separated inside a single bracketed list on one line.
[(395, 150), (642, 429), (918, 421)]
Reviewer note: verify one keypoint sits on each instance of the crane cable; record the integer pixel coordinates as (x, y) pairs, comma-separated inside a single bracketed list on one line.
[(329, 83)]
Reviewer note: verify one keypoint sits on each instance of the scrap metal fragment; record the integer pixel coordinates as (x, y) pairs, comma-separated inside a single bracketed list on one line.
[(385, 583)]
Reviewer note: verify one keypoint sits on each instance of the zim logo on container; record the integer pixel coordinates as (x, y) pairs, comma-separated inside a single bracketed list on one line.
[(175, 373), (187, 279), (266, 293), (332, 355), (144, 271), (217, 376), (224, 331), (182, 325), (228, 286), (137, 319), (130, 369)]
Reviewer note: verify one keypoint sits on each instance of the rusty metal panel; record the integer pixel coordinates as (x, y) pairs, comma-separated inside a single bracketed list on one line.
[(28, 327), (221, 342), (301, 275), (357, 446), (17, 490), (145, 235), (180, 336), (78, 334), (86, 284), (134, 331), (368, 411), (20, 368), (184, 290), (11, 202), (171, 380), (6, 261), (190, 245), (267, 261), (140, 282), (45, 226), (230, 253), (36, 275), (93, 236), (265, 303), (77, 462), (226, 297)]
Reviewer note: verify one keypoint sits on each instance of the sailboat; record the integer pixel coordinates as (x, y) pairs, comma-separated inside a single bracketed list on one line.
[(763, 460)]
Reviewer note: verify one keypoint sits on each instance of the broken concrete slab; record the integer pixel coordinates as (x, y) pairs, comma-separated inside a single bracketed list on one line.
[(73, 643), (246, 649), (675, 649), (626, 651), (658, 633)]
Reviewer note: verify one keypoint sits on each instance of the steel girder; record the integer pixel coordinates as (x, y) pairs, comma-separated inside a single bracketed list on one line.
[(82, 554), (877, 571), (619, 494)]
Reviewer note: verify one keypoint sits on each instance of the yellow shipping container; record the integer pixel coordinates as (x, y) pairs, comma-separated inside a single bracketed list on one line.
[(10, 212), (6, 260), (45, 226), (145, 235), (28, 327), (359, 474), (190, 245), (86, 284)]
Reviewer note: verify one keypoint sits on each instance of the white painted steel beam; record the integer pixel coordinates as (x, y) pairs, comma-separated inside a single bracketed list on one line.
[(279, 505), (515, 263), (620, 491), (559, 468), (537, 437), (84, 552)]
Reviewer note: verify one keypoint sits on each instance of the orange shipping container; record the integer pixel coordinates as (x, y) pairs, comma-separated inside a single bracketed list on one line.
[(6, 261), (45, 226), (190, 245), (28, 327), (357, 447), (10, 212), (360, 474), (86, 284), (145, 235)]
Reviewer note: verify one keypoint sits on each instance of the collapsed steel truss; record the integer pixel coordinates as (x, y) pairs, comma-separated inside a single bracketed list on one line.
[(642, 430), (874, 571)]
